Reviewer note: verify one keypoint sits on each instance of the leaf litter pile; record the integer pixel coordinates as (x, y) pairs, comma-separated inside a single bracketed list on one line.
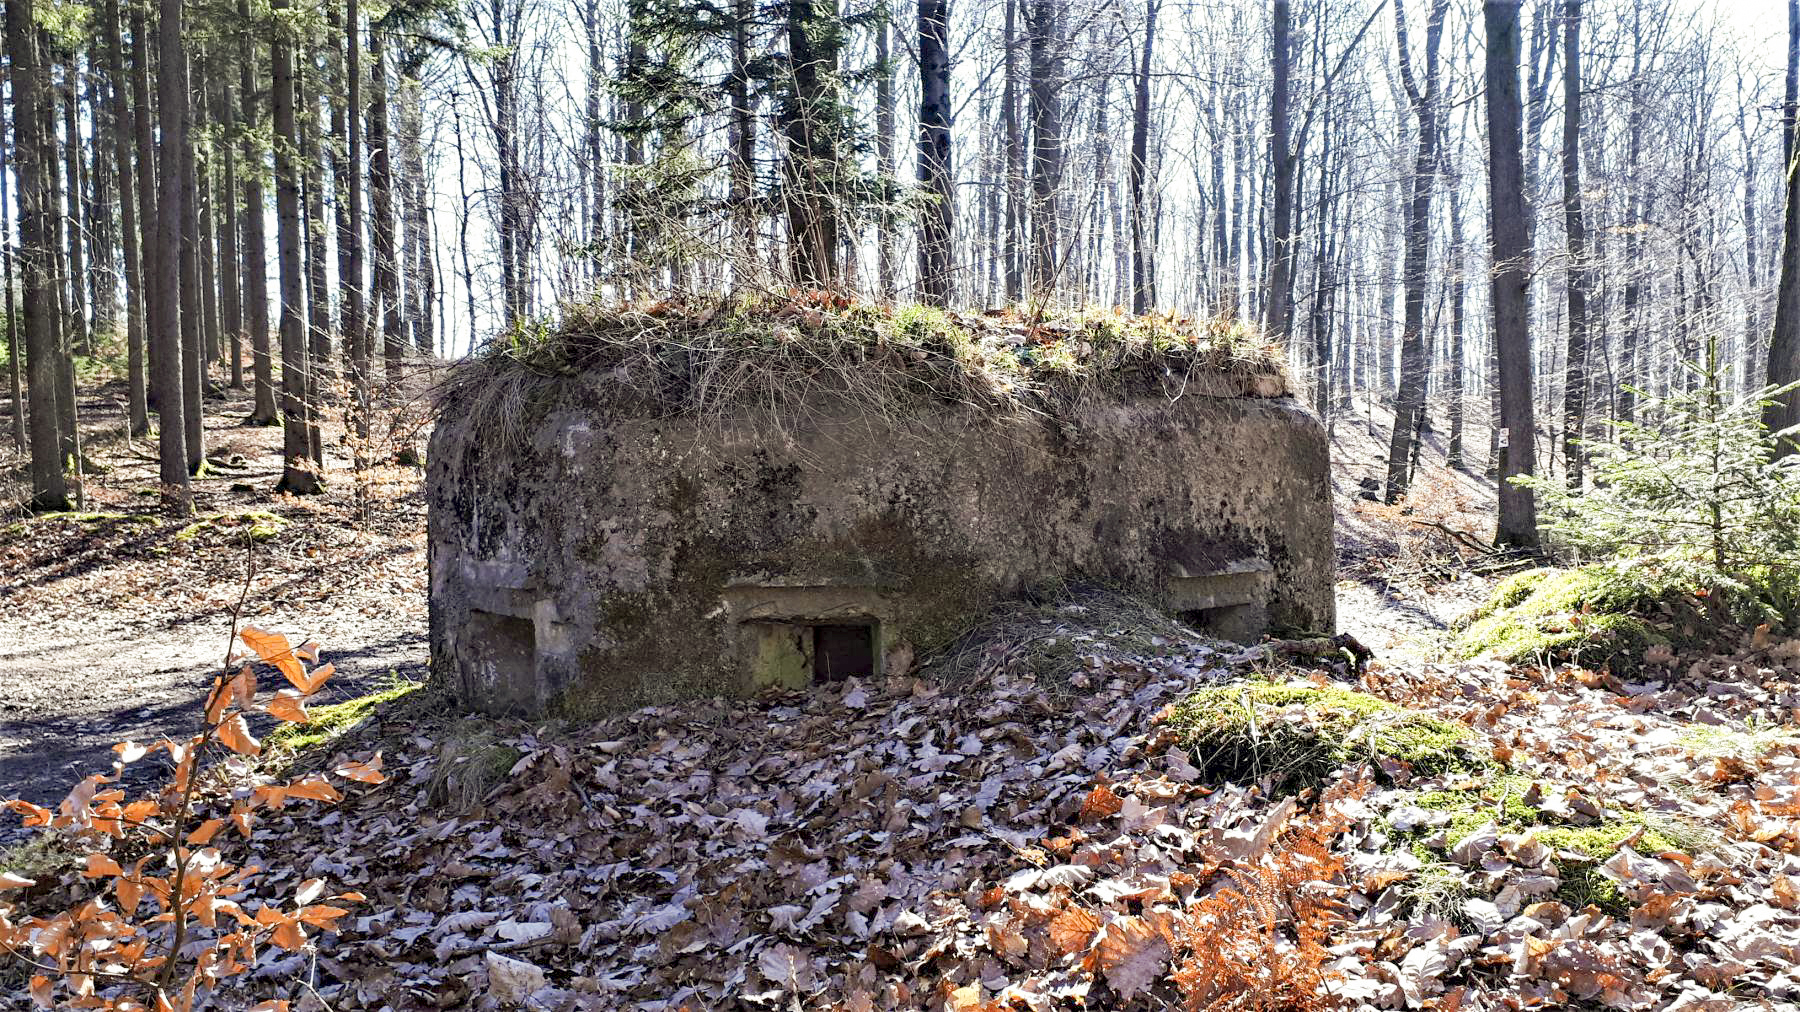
[(1008, 842)]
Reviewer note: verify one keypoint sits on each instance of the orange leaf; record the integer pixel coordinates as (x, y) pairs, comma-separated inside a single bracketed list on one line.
[(35, 815), (130, 751), (99, 865), (321, 916), (41, 990), (289, 935), (236, 736), (202, 835), (313, 787), (272, 1005), (273, 648), (362, 772), (8, 880), (216, 701), (287, 706), (309, 684), (243, 687)]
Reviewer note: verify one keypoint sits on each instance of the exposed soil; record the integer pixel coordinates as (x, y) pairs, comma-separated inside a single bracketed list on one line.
[(114, 621)]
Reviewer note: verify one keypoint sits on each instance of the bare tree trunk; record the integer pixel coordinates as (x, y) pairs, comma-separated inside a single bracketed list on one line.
[(193, 357), (256, 253), (297, 477), (1575, 226), (49, 490), (350, 230), (14, 356), (312, 211), (80, 338), (808, 121), (1015, 160), (165, 306), (122, 122), (1517, 525), (1046, 143), (1143, 284), (884, 148), (1409, 402), (935, 277), (381, 206), (146, 181), (1275, 297), (1784, 344), (230, 266)]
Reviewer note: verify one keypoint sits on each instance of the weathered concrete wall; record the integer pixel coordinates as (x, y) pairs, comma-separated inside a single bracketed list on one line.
[(604, 562)]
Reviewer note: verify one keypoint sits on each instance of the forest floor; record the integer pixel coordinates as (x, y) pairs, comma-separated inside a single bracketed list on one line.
[(1590, 841), (114, 619)]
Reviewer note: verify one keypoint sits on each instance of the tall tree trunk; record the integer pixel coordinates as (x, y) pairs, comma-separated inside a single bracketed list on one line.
[(256, 253), (743, 143), (1458, 282), (297, 477), (15, 358), (351, 270), (49, 490), (884, 146), (1784, 344), (1046, 143), (193, 357), (1517, 526), (138, 415), (935, 277), (381, 207), (1575, 227), (80, 338), (809, 122), (1143, 285), (165, 303), (312, 211), (1409, 402), (149, 219), (230, 267), (1275, 296), (1014, 174)]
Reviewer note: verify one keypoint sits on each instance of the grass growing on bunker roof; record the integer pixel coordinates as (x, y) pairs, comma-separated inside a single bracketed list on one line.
[(1298, 735), (704, 356)]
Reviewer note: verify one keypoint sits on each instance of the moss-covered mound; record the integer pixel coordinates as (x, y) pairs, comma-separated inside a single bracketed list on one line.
[(1510, 803), (695, 357), (1300, 734), (1601, 615)]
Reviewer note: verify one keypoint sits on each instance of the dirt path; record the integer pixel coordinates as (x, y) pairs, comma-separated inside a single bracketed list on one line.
[(113, 623)]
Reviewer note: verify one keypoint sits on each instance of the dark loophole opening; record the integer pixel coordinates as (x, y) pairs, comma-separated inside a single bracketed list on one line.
[(1229, 622), (843, 651), (501, 645)]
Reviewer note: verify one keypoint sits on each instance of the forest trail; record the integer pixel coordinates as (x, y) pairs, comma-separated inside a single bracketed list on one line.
[(113, 621)]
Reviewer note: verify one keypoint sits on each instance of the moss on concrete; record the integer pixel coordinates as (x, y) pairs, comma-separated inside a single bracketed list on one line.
[(1594, 615), (1302, 734)]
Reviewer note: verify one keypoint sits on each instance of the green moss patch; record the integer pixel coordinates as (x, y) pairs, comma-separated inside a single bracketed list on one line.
[(1300, 735), (334, 719), (1711, 741), (1598, 615), (258, 525)]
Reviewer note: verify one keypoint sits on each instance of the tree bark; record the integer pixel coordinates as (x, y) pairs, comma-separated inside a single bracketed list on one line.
[(935, 177), (1783, 411), (1409, 402), (1046, 143), (1575, 377), (1275, 297), (1143, 284), (297, 477), (1517, 524), (256, 253), (49, 490), (381, 208), (138, 415), (165, 306)]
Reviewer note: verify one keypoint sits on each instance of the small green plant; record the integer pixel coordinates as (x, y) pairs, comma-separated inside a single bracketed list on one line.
[(1695, 488)]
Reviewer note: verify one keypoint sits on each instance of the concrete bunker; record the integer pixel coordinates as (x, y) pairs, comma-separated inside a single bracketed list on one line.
[(607, 538)]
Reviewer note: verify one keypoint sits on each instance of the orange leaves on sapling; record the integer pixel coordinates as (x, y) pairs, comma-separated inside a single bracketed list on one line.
[(90, 942)]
